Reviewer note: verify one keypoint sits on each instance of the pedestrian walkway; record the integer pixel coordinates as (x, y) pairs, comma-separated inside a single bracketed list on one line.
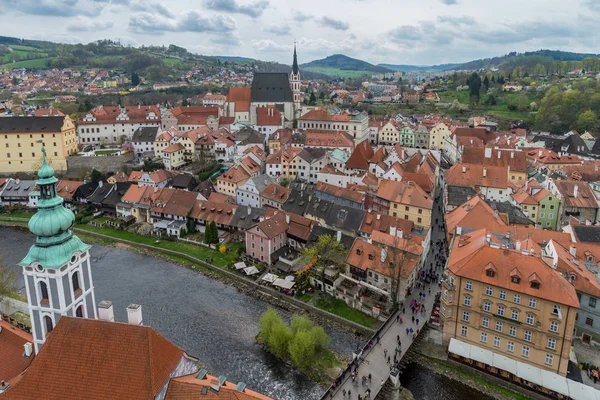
[(378, 360)]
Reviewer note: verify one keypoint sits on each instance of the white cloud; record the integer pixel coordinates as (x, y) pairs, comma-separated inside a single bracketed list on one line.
[(85, 24)]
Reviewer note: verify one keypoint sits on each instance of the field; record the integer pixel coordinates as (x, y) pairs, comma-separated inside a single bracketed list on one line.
[(20, 54), (106, 152), (339, 73), (38, 63)]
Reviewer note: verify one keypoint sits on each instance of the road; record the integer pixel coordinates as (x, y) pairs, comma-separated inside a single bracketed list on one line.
[(375, 360)]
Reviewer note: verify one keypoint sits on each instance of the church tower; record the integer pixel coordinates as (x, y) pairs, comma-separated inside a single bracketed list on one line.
[(57, 272), (295, 82)]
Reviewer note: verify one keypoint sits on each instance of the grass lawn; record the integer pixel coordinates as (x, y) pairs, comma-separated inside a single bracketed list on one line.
[(341, 73), (25, 48), (105, 152), (17, 215), (38, 63), (338, 307)]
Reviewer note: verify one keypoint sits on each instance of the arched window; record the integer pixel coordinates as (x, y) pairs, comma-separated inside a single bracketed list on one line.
[(44, 293), (75, 280), (79, 311), (48, 323)]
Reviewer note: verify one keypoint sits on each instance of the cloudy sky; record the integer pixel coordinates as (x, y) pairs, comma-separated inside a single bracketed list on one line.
[(390, 31)]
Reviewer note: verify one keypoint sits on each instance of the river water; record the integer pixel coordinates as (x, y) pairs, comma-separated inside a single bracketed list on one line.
[(210, 320)]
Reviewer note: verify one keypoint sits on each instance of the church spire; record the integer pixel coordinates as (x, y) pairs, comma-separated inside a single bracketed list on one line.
[(295, 69)]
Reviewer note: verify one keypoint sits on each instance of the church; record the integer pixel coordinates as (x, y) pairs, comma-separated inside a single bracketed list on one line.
[(269, 89)]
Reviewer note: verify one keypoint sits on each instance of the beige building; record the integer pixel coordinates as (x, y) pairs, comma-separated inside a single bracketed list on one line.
[(389, 133), (508, 302), (228, 183), (21, 142), (355, 125), (438, 135)]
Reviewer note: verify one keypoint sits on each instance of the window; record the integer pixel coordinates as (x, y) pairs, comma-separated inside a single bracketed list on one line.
[(487, 306), (530, 319), (532, 303), (463, 331), (517, 299), (510, 347), (465, 316), (502, 295), (534, 285), (501, 310), (406, 208), (525, 352), (553, 326), (512, 331), (450, 298), (551, 343), (488, 291), (490, 273), (541, 215), (451, 281), (79, 312), (483, 337), (499, 326), (549, 358), (75, 280), (485, 322), (592, 302), (515, 279), (527, 336), (515, 314), (469, 285), (496, 341), (467, 301), (49, 324), (556, 310), (589, 321), (444, 295), (44, 293)]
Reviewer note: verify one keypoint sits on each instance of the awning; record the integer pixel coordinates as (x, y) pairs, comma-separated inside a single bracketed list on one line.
[(505, 363), (529, 373), (239, 265), (251, 270), (482, 355), (459, 348), (270, 278), (282, 283), (579, 391), (290, 278), (555, 382)]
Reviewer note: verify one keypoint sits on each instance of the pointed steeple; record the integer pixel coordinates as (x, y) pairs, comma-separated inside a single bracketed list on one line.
[(295, 69), (51, 224)]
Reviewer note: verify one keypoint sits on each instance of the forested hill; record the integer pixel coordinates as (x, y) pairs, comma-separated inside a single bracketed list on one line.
[(514, 60), (345, 63)]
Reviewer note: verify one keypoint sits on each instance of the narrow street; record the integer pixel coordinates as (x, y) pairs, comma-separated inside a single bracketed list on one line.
[(375, 360)]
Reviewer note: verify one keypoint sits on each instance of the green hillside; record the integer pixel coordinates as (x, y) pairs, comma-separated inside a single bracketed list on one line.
[(336, 64)]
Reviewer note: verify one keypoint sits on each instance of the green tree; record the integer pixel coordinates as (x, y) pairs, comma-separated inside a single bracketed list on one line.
[(279, 339), (211, 234), (326, 251), (135, 79), (8, 280), (88, 105), (302, 350), (474, 83), (300, 323), (321, 339), (313, 99), (486, 83), (284, 182), (587, 121), (523, 102), (265, 324)]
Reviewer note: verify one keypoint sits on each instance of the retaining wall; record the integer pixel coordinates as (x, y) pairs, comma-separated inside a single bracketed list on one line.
[(101, 163)]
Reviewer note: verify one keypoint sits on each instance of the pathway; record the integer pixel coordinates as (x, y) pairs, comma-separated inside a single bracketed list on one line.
[(375, 360)]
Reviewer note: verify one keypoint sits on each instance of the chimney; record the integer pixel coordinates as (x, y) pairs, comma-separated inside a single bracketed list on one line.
[(512, 154), (518, 245), (339, 236), (499, 154), (392, 230), (383, 254), (488, 152), (134, 314), (459, 230), (28, 347), (531, 252), (399, 233), (575, 190), (287, 219), (464, 169), (215, 385), (484, 172), (488, 238), (539, 153), (105, 311), (573, 251)]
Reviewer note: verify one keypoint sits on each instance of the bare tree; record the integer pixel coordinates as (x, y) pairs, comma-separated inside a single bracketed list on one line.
[(401, 252), (8, 280)]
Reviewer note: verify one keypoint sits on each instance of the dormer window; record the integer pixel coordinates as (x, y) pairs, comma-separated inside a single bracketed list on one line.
[(490, 273), (515, 279), (371, 257), (358, 252), (534, 285)]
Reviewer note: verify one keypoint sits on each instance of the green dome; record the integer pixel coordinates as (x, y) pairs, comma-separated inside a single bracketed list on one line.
[(51, 222), (45, 171)]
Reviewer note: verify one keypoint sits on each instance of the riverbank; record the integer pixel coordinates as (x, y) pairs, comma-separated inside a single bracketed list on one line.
[(151, 248)]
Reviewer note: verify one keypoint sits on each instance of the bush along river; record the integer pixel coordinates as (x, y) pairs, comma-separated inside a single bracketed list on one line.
[(213, 321)]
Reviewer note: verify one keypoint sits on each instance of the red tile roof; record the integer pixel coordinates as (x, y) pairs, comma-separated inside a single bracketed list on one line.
[(577, 194), (328, 139), (517, 160), (404, 193), (12, 341), (337, 191), (98, 360), (476, 214), (323, 115), (191, 388), (220, 213), (382, 222), (367, 256), (234, 175), (276, 192), (360, 157), (109, 114), (268, 116), (66, 188), (471, 175), (173, 148), (273, 225)]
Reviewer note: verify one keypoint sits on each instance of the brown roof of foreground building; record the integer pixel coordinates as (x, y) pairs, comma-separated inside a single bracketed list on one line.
[(522, 197), (66, 188), (94, 359), (472, 175), (328, 138), (12, 355), (323, 115), (472, 255), (359, 159), (220, 213), (189, 387), (276, 192), (274, 225), (382, 222), (577, 194), (403, 192), (517, 160), (476, 214), (367, 256), (337, 191), (481, 133), (174, 202), (234, 175)]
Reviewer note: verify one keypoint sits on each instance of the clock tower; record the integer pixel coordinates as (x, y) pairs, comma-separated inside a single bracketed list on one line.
[(57, 271)]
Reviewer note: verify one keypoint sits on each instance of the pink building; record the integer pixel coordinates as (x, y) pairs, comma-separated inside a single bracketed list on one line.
[(266, 237)]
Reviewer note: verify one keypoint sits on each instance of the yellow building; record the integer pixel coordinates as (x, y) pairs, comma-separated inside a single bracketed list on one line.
[(438, 135), (174, 157), (21, 142), (406, 200), (289, 163), (529, 205), (508, 302), (228, 183), (389, 133)]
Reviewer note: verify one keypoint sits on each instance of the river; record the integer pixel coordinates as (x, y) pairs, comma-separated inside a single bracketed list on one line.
[(210, 320)]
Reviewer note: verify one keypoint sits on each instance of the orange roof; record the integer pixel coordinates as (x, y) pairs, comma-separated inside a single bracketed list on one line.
[(234, 175), (189, 387), (541, 194), (403, 243), (323, 115), (194, 115), (220, 213), (382, 222), (576, 194), (241, 97), (299, 226), (160, 175), (120, 177), (276, 193), (66, 188), (480, 132), (133, 194), (48, 112), (135, 176), (469, 141), (328, 139), (166, 136), (257, 151), (174, 201), (546, 156), (360, 157), (522, 197), (251, 166), (585, 280), (475, 214), (517, 160), (268, 116), (173, 148), (273, 225), (136, 114), (404, 192), (217, 197), (471, 175), (337, 191), (472, 255), (12, 341), (367, 256), (98, 360)]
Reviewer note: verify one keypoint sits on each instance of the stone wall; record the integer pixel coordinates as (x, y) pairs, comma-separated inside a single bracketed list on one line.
[(101, 163)]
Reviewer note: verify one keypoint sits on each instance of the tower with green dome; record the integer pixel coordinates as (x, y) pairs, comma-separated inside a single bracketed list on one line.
[(57, 271)]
